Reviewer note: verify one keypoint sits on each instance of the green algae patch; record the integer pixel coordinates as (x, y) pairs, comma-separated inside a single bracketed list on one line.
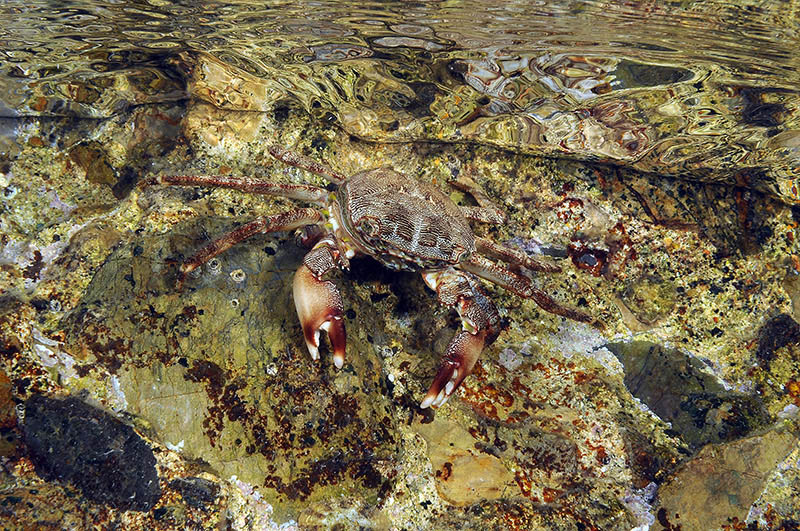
[(649, 298)]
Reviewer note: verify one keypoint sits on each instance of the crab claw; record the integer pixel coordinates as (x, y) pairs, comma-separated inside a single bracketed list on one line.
[(319, 307), (456, 365)]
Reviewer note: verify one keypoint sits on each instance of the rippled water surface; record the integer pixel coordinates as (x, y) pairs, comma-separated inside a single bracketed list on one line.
[(700, 89)]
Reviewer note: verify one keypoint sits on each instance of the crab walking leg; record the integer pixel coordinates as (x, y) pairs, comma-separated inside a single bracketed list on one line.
[(302, 192), (481, 214), (481, 325), (304, 163), (285, 221), (487, 211), (513, 256), (521, 285), (318, 302)]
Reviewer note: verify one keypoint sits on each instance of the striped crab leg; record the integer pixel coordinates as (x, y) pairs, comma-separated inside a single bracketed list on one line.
[(522, 286), (285, 221)]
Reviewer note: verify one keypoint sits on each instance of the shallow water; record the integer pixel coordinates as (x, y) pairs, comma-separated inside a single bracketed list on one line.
[(666, 195), (705, 90)]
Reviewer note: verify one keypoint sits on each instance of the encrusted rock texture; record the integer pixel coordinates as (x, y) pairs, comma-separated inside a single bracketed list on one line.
[(134, 400)]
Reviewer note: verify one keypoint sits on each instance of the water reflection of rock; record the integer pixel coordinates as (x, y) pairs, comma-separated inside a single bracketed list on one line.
[(666, 120)]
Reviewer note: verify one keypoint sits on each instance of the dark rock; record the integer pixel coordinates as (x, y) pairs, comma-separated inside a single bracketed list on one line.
[(776, 333), (675, 387), (73, 441)]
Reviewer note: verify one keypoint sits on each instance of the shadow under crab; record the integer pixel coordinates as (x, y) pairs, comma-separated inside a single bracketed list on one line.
[(404, 224)]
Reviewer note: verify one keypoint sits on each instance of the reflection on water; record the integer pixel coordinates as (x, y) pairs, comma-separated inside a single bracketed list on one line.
[(700, 89)]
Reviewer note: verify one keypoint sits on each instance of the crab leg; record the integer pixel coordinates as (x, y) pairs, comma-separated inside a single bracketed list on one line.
[(487, 212), (513, 256), (521, 285), (481, 325), (285, 221), (305, 163), (302, 192), (318, 302)]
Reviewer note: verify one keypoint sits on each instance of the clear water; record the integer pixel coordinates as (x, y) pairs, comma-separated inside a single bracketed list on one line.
[(705, 90)]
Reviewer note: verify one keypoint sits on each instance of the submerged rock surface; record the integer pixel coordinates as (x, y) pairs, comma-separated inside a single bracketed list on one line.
[(559, 427), (71, 441)]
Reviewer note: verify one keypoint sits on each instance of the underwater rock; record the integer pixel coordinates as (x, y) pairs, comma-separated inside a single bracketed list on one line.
[(197, 492), (7, 414), (8, 418), (721, 482), (776, 333), (649, 298), (674, 387), (465, 475), (70, 440), (92, 159), (220, 366)]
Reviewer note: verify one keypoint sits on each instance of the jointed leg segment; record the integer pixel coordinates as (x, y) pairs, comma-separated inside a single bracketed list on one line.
[(481, 326), (301, 192), (487, 211), (521, 285), (285, 221), (304, 163), (512, 256)]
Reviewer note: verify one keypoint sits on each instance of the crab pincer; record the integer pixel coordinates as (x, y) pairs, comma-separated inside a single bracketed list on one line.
[(480, 327), (319, 307), (456, 364)]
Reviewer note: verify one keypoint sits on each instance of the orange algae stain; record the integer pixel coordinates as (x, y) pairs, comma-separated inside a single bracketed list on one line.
[(580, 377), (793, 390), (550, 495), (40, 104), (525, 484), (485, 400)]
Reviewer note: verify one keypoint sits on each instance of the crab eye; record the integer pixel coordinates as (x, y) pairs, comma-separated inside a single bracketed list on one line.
[(370, 227)]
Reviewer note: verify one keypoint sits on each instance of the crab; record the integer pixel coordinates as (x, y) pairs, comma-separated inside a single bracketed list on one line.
[(404, 224)]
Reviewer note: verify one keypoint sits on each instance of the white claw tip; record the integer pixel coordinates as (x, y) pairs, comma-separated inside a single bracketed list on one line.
[(338, 361), (448, 388), (313, 350), (440, 399), (427, 402)]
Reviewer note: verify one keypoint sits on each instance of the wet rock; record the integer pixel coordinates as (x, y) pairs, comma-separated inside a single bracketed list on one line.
[(43, 506), (197, 492), (650, 462), (220, 368), (674, 387), (464, 475), (8, 418), (721, 482), (649, 298), (92, 159), (776, 333), (72, 441)]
